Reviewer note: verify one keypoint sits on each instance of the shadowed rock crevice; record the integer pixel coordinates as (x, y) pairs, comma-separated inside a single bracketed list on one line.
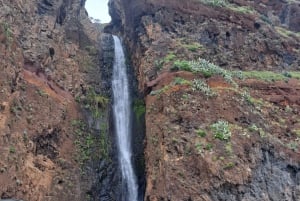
[(47, 142)]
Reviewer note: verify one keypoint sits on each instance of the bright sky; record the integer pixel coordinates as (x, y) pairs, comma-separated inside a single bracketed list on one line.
[(98, 9)]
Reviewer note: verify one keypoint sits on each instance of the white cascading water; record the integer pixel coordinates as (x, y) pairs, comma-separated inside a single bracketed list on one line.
[(121, 109)]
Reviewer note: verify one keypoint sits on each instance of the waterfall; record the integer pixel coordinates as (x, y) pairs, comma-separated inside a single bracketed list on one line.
[(122, 111)]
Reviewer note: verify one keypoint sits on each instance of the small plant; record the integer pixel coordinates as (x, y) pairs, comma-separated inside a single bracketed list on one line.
[(92, 50), (41, 93), (170, 57), (12, 150), (286, 33), (16, 107), (297, 132), (185, 96), (199, 85), (139, 108), (159, 91), (253, 128), (219, 3), (229, 165), (208, 69), (193, 47), (228, 149), (199, 148), (237, 74), (262, 133), (181, 81), (265, 19), (182, 65), (203, 66), (201, 133), (247, 97), (221, 130), (95, 102), (8, 34), (87, 144), (209, 146), (158, 64), (241, 9), (270, 76), (293, 146)]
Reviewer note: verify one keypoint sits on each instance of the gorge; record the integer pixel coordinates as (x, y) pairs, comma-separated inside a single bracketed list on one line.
[(213, 101)]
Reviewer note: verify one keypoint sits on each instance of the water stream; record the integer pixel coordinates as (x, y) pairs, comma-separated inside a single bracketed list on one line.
[(122, 111)]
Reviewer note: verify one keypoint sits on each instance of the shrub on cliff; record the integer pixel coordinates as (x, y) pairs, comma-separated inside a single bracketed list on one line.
[(221, 130), (214, 2)]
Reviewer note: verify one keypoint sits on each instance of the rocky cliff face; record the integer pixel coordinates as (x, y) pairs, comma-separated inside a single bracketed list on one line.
[(50, 58), (224, 126)]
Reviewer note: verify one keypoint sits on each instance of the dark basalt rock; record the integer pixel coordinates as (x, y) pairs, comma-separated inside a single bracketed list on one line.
[(273, 179), (45, 6)]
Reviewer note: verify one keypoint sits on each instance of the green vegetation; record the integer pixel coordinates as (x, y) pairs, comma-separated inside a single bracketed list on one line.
[(287, 33), (139, 108), (200, 132), (199, 85), (241, 9), (181, 81), (8, 33), (176, 81), (247, 97), (15, 107), (196, 84), (103, 141), (208, 146), (221, 130), (260, 131), (292, 74), (251, 100), (41, 93), (193, 47), (95, 102), (92, 50), (182, 65), (265, 19), (205, 67), (160, 91), (170, 57), (228, 149), (270, 76), (218, 3), (208, 69), (229, 165), (12, 150), (199, 147), (226, 4), (253, 128), (86, 61), (293, 146), (297, 132), (87, 144), (158, 64)]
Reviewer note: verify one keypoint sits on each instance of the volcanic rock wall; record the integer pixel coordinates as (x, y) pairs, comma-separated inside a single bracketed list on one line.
[(50, 73), (243, 85)]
